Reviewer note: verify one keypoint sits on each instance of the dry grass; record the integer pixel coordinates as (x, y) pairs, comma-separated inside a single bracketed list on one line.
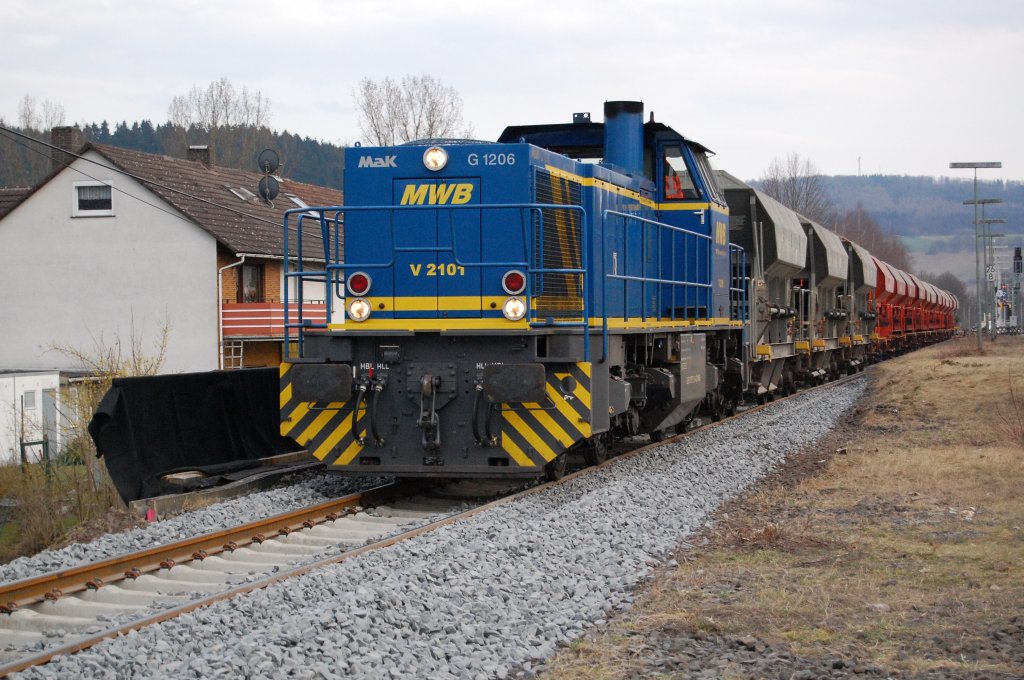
[(904, 552), (51, 502)]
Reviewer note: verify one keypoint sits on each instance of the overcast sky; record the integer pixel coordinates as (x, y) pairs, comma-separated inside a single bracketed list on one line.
[(898, 86)]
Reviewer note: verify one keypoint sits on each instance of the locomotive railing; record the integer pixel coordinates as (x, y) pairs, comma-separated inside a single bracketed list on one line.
[(738, 287), (685, 253), (671, 260), (330, 221)]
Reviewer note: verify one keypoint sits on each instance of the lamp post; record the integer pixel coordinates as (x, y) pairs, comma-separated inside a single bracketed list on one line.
[(982, 233), (977, 258), (990, 262)]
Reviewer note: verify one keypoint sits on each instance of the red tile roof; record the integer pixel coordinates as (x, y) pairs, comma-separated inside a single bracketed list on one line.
[(204, 195), (10, 197)]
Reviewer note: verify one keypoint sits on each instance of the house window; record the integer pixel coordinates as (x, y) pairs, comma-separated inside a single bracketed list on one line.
[(29, 400), (250, 283), (92, 199)]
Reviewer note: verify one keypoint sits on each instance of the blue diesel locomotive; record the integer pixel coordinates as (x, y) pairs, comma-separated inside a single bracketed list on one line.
[(493, 307)]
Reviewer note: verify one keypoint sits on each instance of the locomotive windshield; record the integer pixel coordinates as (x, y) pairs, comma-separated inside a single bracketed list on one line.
[(708, 174), (678, 181)]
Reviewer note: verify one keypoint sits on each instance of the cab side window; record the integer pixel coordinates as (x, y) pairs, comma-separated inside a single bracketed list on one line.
[(678, 180)]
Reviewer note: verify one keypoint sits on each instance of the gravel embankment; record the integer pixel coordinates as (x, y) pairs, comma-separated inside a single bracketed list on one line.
[(492, 596), (307, 489)]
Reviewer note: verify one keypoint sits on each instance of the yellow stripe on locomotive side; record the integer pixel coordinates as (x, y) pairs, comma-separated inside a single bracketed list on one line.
[(600, 184), (535, 440), (548, 423), (509, 446), (294, 418), (336, 435), (349, 454), (496, 324), (694, 206), (318, 424), (570, 414)]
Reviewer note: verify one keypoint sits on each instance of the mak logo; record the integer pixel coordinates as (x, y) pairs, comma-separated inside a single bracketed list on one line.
[(437, 194), (377, 162)]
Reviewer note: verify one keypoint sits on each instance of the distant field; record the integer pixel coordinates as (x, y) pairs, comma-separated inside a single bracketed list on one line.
[(892, 548)]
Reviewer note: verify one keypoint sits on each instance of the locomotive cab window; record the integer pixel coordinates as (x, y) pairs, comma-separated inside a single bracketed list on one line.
[(678, 179)]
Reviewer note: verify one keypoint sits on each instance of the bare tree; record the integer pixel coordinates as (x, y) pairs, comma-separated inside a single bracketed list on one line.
[(28, 117), (796, 183), (947, 281), (53, 114), (218, 105), (418, 107), (203, 113), (860, 227)]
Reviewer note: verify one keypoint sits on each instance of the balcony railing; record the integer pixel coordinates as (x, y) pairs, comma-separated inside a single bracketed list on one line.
[(266, 319)]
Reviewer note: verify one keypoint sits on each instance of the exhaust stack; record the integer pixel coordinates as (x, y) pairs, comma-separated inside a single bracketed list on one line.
[(624, 136)]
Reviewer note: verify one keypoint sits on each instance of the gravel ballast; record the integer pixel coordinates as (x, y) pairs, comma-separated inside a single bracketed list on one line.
[(305, 490), (491, 596)]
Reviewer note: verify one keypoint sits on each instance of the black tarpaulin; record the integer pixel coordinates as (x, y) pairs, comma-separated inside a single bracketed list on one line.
[(215, 422)]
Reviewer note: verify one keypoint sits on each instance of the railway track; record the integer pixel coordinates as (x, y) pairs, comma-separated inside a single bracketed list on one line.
[(73, 609)]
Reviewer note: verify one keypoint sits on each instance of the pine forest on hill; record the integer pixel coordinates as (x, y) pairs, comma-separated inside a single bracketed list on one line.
[(236, 146)]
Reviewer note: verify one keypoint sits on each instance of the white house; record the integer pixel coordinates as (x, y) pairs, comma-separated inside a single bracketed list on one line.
[(116, 245), (30, 413)]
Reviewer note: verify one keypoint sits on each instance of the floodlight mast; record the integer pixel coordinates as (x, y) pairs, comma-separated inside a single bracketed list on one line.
[(974, 165)]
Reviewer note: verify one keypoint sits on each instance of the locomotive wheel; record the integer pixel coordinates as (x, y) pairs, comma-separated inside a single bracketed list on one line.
[(594, 451), (556, 469)]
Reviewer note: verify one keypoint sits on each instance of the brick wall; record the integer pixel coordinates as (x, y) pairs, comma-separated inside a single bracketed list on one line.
[(65, 137), (271, 276), (230, 277), (272, 280), (257, 354)]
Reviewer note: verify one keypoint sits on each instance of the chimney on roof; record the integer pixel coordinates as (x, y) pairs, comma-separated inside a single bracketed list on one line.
[(199, 153), (67, 137)]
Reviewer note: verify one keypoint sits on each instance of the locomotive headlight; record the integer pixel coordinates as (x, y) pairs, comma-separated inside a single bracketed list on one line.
[(514, 308), (359, 309), (435, 158)]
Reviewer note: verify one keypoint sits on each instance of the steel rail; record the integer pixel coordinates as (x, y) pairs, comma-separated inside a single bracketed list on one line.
[(26, 592)]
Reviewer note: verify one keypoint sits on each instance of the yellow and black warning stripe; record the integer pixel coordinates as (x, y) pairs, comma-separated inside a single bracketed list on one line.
[(532, 434), (535, 433), (322, 429)]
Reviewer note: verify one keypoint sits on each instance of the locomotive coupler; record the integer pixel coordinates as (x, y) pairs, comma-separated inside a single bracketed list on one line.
[(428, 419)]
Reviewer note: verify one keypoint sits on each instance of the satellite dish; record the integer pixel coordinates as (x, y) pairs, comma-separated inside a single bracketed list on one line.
[(269, 188), (268, 161)]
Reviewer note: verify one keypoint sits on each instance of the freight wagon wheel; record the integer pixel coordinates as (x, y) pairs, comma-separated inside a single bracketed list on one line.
[(556, 469), (684, 426), (594, 451)]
